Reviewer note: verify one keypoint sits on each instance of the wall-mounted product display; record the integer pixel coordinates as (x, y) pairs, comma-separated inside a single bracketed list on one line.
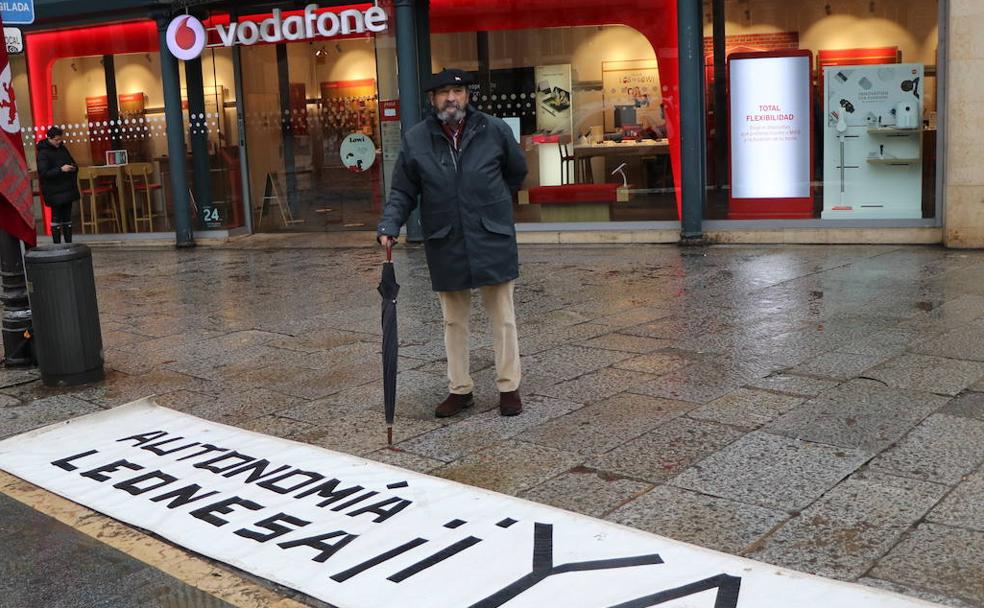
[(632, 94), (771, 135), (554, 124), (873, 141)]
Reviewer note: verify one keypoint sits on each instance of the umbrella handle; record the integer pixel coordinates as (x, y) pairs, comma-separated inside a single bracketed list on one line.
[(389, 251)]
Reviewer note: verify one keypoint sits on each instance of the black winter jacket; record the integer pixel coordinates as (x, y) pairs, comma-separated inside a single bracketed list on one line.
[(57, 187), (465, 200)]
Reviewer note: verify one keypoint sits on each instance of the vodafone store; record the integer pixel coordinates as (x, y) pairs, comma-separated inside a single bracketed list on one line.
[(247, 117)]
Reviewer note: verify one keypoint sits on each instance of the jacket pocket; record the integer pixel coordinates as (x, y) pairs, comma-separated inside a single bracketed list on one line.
[(440, 233), (496, 227)]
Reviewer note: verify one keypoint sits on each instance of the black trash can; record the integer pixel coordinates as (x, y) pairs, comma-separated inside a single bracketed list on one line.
[(67, 338)]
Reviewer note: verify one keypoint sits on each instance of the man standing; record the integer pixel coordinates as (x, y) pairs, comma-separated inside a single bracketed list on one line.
[(465, 166), (57, 172)]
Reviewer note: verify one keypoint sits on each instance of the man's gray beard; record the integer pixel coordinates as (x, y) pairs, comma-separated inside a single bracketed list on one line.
[(451, 115)]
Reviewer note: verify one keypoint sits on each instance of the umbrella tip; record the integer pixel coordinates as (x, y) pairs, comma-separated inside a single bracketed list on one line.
[(389, 435)]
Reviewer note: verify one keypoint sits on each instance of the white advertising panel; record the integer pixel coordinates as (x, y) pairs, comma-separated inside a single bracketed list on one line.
[(357, 533), (770, 127)]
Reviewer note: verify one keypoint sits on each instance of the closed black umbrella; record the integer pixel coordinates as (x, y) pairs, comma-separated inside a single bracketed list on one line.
[(388, 289)]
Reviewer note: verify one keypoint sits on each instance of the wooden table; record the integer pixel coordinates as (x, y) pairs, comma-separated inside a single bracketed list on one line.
[(612, 153), (116, 172), (651, 147)]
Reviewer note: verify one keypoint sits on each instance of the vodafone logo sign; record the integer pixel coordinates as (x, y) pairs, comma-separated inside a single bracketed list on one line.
[(186, 37)]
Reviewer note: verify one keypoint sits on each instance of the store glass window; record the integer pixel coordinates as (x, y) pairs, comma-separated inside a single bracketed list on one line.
[(312, 132), (586, 105), (826, 110), (102, 86)]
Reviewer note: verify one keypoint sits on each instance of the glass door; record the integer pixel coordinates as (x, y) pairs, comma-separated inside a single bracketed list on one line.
[(312, 129)]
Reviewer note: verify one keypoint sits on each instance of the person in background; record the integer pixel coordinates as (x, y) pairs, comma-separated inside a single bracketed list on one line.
[(57, 172), (465, 166)]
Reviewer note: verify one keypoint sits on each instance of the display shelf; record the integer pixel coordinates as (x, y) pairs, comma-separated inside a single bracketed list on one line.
[(894, 161), (891, 131)]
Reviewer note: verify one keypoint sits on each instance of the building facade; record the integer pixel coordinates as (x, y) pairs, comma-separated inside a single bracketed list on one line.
[(819, 121)]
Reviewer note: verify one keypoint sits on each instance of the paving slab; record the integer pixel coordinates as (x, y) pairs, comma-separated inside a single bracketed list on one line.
[(626, 343), (598, 385), (929, 374), (942, 449), (42, 412), (603, 426), (860, 414), (838, 365), (587, 491), (966, 405), (938, 559), (964, 506), (792, 384), (668, 449), (965, 343), (747, 408), (715, 523), (567, 362), (354, 430), (772, 471), (846, 531), (487, 428), (510, 466)]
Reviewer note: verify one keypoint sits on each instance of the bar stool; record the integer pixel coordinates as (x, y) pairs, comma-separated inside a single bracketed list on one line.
[(567, 175), (582, 167), (92, 187), (140, 176)]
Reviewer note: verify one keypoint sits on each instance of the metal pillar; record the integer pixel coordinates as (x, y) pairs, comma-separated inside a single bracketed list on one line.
[(287, 128), (692, 147), (175, 140), (16, 307), (408, 77), (195, 84), (721, 109), (424, 61), (112, 100)]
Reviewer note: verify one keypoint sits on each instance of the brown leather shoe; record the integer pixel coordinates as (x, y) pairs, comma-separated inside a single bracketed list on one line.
[(454, 404), (510, 404)]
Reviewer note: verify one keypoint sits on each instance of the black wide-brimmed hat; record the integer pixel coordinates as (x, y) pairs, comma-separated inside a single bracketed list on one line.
[(448, 78)]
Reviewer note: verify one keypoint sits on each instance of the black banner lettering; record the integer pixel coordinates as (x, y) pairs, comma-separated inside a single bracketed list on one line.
[(183, 496), (271, 524), (354, 501), (343, 576), (325, 550), (155, 447), (64, 462), (258, 470), (380, 508), (206, 449), (327, 491), (209, 465), (97, 473), (132, 486), (224, 507), (271, 484), (143, 438)]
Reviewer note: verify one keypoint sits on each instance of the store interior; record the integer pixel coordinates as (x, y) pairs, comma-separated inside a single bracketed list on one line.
[(585, 102)]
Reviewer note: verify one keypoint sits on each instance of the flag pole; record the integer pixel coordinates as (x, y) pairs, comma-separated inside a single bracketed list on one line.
[(16, 218)]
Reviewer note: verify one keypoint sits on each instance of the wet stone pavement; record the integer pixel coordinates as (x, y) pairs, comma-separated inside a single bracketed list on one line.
[(819, 408)]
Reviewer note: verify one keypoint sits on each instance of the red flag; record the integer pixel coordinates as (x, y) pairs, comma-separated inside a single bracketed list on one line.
[(16, 200)]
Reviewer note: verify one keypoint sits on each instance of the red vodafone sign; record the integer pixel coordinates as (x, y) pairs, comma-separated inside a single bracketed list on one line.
[(187, 38)]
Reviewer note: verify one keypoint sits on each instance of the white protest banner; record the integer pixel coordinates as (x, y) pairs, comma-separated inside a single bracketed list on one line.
[(359, 534)]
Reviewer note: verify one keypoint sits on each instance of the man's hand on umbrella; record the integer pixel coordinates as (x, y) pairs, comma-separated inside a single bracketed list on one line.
[(387, 241)]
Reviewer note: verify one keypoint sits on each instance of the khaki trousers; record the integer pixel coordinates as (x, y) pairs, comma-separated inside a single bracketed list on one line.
[(498, 302)]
